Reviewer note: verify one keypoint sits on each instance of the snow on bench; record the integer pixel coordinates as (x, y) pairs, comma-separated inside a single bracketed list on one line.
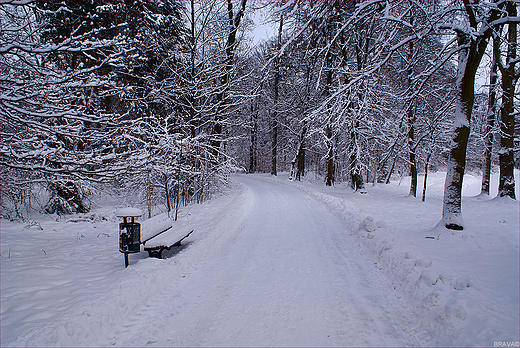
[(158, 234), (154, 226)]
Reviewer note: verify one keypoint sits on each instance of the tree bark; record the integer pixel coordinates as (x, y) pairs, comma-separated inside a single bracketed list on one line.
[(506, 186), (411, 126), (298, 163), (253, 163), (167, 193), (301, 153), (274, 146), (194, 123), (428, 156), (330, 157), (472, 49), (467, 65), (275, 112), (486, 171), (361, 48), (356, 176)]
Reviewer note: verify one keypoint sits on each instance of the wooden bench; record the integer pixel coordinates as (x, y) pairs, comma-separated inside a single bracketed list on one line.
[(159, 234)]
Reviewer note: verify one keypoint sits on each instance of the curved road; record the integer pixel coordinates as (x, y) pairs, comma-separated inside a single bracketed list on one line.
[(290, 274)]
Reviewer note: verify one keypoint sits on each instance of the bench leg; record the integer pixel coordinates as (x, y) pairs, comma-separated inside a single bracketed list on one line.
[(126, 260), (157, 253), (153, 253)]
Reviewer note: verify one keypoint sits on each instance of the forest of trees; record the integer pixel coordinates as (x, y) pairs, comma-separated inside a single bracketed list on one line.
[(166, 98)]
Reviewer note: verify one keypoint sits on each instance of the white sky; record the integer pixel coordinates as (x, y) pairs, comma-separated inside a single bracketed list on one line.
[(262, 31)]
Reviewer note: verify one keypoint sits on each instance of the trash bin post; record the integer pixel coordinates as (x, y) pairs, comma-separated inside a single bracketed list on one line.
[(129, 232)]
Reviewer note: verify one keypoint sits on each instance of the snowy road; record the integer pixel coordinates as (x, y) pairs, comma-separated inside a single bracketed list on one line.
[(286, 275)]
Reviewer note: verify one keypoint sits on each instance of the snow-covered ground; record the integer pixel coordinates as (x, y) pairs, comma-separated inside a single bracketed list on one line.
[(273, 263)]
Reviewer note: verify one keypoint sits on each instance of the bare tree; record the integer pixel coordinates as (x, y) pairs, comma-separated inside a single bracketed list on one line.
[(510, 77), (472, 40), (223, 98), (490, 118), (275, 112)]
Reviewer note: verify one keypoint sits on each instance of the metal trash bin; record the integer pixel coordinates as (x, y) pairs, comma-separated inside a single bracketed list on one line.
[(129, 231)]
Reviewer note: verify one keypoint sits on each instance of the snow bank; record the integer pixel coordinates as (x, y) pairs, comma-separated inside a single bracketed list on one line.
[(463, 286), (66, 285)]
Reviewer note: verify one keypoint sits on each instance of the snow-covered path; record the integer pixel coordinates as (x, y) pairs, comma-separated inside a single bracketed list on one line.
[(271, 263), (281, 280)]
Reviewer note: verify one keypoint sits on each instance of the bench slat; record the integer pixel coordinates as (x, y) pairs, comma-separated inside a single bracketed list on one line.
[(168, 239), (152, 227)]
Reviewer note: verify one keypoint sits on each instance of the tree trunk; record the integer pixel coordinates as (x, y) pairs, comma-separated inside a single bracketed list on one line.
[(425, 175), (356, 176), (177, 200), (167, 193), (389, 174), (149, 191), (301, 162), (472, 48), (330, 157), (301, 154), (486, 171), (292, 173), (411, 152), (253, 163), (361, 49), (275, 112), (411, 128), (194, 123), (274, 145), (506, 186), (298, 163), (467, 66)]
